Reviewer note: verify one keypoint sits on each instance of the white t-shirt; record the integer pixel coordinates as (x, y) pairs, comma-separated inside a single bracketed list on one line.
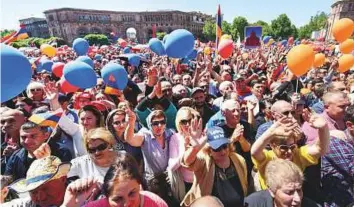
[(84, 167)]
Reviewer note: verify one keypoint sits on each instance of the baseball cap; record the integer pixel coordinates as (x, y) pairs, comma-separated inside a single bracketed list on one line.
[(196, 89), (216, 137)]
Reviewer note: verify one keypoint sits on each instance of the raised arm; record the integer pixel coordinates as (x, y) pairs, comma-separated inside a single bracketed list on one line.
[(321, 145), (133, 139), (194, 143)]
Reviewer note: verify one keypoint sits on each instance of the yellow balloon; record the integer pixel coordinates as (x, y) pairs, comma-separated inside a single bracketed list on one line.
[(226, 37), (271, 41), (48, 50), (207, 50)]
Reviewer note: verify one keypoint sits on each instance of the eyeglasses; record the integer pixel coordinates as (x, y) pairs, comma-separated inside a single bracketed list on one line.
[(222, 147), (286, 113), (166, 90), (36, 89), (186, 121), (204, 87), (285, 148), (20, 105), (118, 122), (99, 148), (156, 123)]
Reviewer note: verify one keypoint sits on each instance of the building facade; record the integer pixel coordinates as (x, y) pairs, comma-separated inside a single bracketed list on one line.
[(70, 23), (339, 9), (36, 27)]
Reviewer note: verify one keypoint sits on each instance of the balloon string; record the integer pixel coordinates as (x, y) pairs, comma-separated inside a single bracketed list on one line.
[(297, 84)]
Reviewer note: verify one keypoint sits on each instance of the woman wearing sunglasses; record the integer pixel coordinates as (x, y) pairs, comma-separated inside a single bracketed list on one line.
[(218, 170), (282, 137), (99, 143)]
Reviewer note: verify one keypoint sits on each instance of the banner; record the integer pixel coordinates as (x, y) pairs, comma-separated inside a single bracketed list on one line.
[(253, 36)]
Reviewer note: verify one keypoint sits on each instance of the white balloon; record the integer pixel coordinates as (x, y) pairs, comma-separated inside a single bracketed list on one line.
[(131, 33)]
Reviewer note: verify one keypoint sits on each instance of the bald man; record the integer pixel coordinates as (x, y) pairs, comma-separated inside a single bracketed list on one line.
[(207, 201)]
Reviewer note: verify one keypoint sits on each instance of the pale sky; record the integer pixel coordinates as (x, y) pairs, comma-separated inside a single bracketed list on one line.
[(299, 11)]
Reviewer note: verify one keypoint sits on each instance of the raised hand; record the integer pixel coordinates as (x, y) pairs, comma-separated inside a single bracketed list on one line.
[(158, 90), (196, 138), (42, 151), (237, 134), (251, 105), (51, 91), (318, 122), (131, 115)]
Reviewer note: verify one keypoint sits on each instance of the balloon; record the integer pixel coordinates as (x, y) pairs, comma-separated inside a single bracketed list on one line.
[(66, 87), (291, 40), (98, 57), (284, 42), (115, 75), (16, 72), (126, 50), (134, 59), (345, 62), (46, 65), (343, 29), (300, 59), (164, 38), (193, 54), (122, 43), (271, 41), (347, 46), (226, 48), (80, 46), (179, 43), (48, 50), (80, 74), (57, 69), (86, 60), (207, 50), (226, 37), (156, 46), (266, 39), (319, 60)]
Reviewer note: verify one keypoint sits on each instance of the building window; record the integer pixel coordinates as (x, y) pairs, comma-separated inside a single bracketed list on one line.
[(51, 18)]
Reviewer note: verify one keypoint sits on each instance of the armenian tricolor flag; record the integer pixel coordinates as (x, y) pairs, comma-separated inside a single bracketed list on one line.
[(19, 35), (218, 27), (111, 86), (49, 119)]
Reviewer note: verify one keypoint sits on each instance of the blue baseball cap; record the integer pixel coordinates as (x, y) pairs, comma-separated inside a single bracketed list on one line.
[(216, 137)]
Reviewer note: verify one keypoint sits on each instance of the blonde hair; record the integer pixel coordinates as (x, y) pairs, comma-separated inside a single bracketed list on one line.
[(280, 172), (33, 85), (100, 133), (190, 111)]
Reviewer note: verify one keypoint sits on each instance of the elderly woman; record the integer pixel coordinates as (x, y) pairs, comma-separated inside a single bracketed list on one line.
[(177, 173), (284, 181), (218, 171), (35, 91), (282, 137), (121, 187), (116, 123), (99, 144)]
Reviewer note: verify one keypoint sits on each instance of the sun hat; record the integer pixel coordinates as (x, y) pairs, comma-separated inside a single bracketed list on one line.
[(40, 172)]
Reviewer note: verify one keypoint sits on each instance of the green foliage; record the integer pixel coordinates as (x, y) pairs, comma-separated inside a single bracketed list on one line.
[(226, 27), (282, 27), (160, 35), (6, 32), (209, 30), (38, 42), (266, 29), (97, 39), (316, 23), (238, 27)]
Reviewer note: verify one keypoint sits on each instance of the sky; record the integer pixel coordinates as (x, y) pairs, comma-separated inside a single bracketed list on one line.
[(298, 11)]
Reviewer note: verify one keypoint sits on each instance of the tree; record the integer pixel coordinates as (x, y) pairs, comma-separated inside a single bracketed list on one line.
[(282, 27), (238, 27), (226, 27), (266, 30), (316, 23), (97, 39), (6, 32), (209, 30), (305, 32), (160, 35), (295, 31)]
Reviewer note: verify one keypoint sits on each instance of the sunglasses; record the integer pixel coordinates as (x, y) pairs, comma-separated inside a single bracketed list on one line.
[(222, 147), (36, 89), (186, 121), (156, 123), (204, 87), (20, 105), (118, 122), (99, 148), (286, 148), (286, 113)]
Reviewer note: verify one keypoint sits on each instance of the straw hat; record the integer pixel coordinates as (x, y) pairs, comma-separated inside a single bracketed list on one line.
[(40, 172)]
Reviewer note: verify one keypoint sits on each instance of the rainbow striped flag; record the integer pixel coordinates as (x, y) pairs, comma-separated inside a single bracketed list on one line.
[(49, 119), (218, 27)]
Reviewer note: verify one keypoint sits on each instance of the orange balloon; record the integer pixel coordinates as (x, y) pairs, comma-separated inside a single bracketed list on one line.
[(343, 29), (319, 60), (300, 59), (345, 62), (347, 46)]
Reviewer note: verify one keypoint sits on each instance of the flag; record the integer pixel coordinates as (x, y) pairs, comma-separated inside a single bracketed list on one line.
[(19, 35), (154, 31), (49, 119), (218, 27)]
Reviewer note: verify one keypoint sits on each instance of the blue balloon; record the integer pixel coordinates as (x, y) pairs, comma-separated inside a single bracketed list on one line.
[(80, 46), (16, 72), (80, 74), (266, 39), (115, 75), (126, 50), (179, 43), (193, 54), (98, 57), (156, 46), (46, 65), (284, 42), (134, 59), (86, 59), (164, 38)]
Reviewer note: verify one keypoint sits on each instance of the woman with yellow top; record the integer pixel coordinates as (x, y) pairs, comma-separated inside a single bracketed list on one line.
[(218, 170), (282, 137)]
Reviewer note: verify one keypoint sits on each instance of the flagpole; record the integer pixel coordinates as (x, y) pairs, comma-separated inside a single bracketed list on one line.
[(55, 128)]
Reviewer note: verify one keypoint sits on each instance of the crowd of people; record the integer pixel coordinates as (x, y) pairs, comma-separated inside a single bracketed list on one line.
[(235, 132)]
